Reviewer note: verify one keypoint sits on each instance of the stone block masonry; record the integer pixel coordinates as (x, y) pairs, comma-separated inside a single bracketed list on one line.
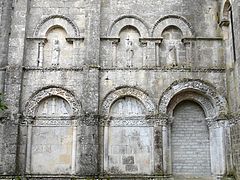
[(119, 89)]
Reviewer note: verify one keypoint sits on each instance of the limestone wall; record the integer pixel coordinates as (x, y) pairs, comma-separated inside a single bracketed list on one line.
[(92, 87)]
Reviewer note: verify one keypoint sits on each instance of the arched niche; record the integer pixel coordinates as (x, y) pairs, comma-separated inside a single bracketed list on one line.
[(172, 20), (57, 41), (128, 20), (54, 106), (194, 96), (226, 23), (120, 92), (57, 50), (56, 20), (127, 107), (128, 140), (172, 50), (38, 96), (51, 139), (129, 51), (199, 86), (209, 107), (190, 141), (226, 10), (128, 134)]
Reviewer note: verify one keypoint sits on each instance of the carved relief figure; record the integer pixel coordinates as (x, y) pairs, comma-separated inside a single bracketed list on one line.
[(56, 52), (172, 48), (130, 51), (172, 55)]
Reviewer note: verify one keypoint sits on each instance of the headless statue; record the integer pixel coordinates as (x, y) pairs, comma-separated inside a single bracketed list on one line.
[(55, 52), (172, 56), (130, 51)]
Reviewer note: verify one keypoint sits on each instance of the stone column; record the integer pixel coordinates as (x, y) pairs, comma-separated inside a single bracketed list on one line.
[(217, 131), (114, 53), (13, 82), (74, 148), (144, 53), (188, 50), (158, 145), (90, 100), (157, 52), (29, 147), (166, 136), (41, 53), (105, 135)]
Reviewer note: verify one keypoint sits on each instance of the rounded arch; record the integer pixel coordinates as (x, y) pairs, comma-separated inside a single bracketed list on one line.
[(117, 94), (129, 27), (56, 21), (172, 20), (36, 98), (194, 96), (128, 20), (199, 91), (171, 27), (226, 7)]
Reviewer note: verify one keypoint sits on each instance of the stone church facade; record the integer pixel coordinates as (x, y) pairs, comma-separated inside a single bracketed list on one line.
[(120, 89)]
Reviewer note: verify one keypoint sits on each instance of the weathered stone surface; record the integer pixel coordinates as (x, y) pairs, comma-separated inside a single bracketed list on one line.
[(93, 88)]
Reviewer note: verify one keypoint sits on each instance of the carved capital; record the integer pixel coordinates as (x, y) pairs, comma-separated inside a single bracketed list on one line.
[(186, 41), (116, 41), (217, 122)]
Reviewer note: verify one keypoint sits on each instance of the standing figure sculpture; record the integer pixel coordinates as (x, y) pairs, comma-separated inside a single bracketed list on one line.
[(130, 51), (172, 56), (56, 52)]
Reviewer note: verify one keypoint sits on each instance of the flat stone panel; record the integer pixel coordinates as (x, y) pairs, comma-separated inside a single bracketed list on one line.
[(130, 150), (51, 150)]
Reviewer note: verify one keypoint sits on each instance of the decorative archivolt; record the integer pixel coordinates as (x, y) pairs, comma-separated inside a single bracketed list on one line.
[(33, 103), (203, 101), (128, 20), (201, 92), (117, 94), (172, 20), (56, 21)]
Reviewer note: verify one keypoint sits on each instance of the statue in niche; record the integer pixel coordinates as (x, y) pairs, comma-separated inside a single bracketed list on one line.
[(172, 55), (56, 52), (130, 51)]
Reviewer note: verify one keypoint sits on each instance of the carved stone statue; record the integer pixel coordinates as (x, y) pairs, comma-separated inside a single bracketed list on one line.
[(130, 51), (56, 52), (172, 55)]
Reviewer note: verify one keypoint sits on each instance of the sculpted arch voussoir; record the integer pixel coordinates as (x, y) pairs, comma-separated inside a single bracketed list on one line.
[(127, 91), (203, 88), (33, 103), (172, 20), (54, 20), (192, 96), (128, 20)]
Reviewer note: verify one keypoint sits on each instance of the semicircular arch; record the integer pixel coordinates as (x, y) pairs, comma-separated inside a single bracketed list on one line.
[(117, 94), (128, 20), (56, 21), (199, 91), (34, 101), (172, 20)]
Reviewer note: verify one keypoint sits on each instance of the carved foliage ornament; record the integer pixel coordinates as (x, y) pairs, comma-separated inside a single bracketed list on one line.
[(219, 103), (32, 105)]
